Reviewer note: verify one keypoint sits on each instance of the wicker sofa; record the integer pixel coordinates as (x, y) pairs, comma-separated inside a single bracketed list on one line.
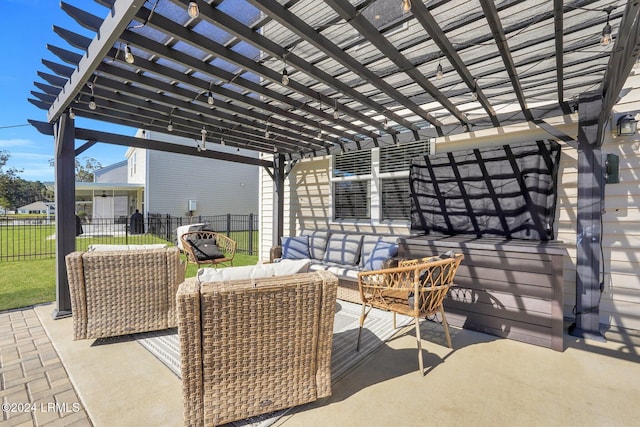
[(343, 254), (253, 346), (121, 292)]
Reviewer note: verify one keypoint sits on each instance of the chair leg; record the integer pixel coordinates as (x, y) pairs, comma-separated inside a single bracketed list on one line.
[(363, 316), (446, 327), (420, 364), (394, 320)]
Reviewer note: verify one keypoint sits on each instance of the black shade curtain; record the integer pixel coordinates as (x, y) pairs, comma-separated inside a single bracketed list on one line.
[(508, 191)]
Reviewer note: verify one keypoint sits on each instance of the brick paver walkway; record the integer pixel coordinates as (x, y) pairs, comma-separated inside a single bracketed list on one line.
[(34, 386)]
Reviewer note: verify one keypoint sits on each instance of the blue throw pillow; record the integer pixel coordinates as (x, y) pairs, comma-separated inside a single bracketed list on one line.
[(295, 247), (381, 252)]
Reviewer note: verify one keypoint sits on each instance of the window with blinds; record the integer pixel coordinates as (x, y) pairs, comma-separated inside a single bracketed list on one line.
[(352, 200), (352, 163), (354, 179), (352, 189), (395, 199), (394, 158)]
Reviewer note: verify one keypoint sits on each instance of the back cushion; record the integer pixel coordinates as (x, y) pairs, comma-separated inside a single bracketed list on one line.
[(317, 242), (369, 243), (295, 247), (343, 248)]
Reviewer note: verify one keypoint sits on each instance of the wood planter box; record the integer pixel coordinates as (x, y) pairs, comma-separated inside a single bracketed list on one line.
[(507, 288)]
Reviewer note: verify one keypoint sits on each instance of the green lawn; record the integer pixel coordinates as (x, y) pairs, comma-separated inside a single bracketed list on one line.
[(25, 283), (28, 267)]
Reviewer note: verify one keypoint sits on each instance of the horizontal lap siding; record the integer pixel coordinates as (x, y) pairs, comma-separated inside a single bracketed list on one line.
[(509, 290), (307, 199), (620, 301), (266, 215)]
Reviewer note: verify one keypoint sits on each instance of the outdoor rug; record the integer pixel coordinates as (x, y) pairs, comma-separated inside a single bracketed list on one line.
[(378, 328)]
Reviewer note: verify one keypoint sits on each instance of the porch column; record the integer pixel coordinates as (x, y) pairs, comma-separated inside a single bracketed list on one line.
[(65, 210), (590, 206), (278, 198)]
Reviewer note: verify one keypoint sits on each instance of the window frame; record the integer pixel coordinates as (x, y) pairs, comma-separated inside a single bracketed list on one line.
[(376, 179)]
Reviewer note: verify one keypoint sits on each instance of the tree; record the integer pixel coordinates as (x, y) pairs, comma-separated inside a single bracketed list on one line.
[(15, 191), (84, 172)]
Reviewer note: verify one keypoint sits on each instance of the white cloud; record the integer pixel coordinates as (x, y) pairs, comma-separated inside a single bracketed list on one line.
[(16, 142)]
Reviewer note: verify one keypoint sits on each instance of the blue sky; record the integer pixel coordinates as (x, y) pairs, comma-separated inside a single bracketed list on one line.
[(25, 29)]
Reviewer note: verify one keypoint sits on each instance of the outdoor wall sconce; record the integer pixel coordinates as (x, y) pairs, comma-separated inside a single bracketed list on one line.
[(626, 125)]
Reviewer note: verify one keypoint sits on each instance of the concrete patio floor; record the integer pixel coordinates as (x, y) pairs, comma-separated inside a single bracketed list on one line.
[(482, 381)]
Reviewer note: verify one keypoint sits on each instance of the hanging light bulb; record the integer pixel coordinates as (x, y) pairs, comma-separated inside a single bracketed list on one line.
[(210, 99), (222, 140), (439, 73), (193, 10), (605, 39), (72, 114), (267, 134), (406, 6), (203, 132), (170, 126), (128, 56), (92, 103), (285, 77), (336, 114)]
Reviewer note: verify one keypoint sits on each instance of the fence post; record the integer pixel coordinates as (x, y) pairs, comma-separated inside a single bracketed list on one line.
[(228, 224), (250, 234)]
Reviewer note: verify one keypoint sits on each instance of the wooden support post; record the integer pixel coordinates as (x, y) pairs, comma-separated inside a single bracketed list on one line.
[(65, 210), (589, 230)]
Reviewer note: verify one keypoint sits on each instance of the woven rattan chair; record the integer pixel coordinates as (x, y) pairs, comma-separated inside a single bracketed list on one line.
[(193, 243), (415, 288), (122, 292), (250, 347)]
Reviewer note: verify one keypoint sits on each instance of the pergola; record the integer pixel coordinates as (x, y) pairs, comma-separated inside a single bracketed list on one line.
[(300, 78)]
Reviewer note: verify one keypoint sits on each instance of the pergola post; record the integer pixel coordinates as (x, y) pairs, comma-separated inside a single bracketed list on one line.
[(65, 210), (278, 198), (589, 230)]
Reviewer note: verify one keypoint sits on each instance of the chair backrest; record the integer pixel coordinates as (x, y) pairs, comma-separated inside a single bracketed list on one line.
[(124, 291), (428, 278), (194, 244), (254, 346)]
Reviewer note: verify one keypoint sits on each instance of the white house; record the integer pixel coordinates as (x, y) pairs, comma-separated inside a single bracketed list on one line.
[(37, 208), (156, 182)]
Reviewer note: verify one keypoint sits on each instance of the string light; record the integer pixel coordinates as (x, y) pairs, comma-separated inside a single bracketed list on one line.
[(128, 56), (193, 10), (72, 114), (605, 39), (336, 114), (170, 126), (210, 99), (285, 76), (439, 73), (92, 100), (203, 145)]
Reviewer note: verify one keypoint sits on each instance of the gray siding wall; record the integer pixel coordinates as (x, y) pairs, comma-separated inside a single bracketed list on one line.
[(219, 187)]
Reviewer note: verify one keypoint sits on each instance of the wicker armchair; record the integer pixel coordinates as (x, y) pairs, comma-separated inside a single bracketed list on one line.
[(123, 292), (415, 288), (250, 347), (195, 245)]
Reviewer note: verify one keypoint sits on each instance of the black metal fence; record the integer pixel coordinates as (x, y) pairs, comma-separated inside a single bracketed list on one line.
[(32, 237)]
